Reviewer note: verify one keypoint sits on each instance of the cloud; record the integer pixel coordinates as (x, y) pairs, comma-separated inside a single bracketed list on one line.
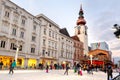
[(102, 31)]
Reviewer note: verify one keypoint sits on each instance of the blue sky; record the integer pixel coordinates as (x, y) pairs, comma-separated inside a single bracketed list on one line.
[(100, 15)]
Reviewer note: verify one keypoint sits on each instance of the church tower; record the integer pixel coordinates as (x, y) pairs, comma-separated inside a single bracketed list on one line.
[(81, 30)]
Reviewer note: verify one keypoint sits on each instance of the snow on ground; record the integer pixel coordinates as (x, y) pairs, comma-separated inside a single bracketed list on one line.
[(52, 75)]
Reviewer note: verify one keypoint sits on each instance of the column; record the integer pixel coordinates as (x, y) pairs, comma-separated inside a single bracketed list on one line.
[(26, 63), (91, 59), (37, 64)]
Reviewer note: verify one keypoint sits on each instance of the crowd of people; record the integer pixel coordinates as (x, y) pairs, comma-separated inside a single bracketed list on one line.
[(77, 68)]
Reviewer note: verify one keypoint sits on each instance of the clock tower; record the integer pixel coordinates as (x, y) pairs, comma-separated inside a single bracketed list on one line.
[(81, 30)]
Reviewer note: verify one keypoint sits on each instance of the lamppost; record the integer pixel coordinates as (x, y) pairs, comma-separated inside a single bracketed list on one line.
[(17, 50), (117, 30), (91, 59)]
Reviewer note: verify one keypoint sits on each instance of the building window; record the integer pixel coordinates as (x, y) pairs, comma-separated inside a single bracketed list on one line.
[(34, 27), (52, 54), (48, 53), (62, 45), (2, 45), (22, 34), (55, 45), (7, 14), (52, 34), (23, 22), (49, 44), (33, 38), (44, 42), (5, 27), (43, 52), (20, 48), (13, 46), (15, 18), (55, 53), (14, 32), (62, 54), (32, 50), (55, 36), (49, 25), (49, 33), (44, 31)]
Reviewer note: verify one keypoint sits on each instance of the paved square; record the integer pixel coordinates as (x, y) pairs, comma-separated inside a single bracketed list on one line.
[(52, 75)]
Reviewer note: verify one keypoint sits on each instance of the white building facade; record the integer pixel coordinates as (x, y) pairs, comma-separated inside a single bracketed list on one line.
[(18, 28), (39, 38), (49, 41), (56, 48), (66, 47)]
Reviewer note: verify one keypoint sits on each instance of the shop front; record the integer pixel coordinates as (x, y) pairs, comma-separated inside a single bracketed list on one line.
[(96, 62), (63, 64), (32, 63), (7, 60), (48, 61)]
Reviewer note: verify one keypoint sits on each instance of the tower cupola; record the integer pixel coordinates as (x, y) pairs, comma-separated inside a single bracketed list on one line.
[(81, 19)]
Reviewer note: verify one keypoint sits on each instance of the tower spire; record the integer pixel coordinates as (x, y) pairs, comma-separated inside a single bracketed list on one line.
[(81, 17), (81, 11)]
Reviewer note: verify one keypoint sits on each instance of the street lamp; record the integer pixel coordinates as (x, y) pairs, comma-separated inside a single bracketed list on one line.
[(117, 31), (17, 50), (91, 59)]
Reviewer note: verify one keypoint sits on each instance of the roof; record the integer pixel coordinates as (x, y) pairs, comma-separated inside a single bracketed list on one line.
[(64, 31), (75, 38), (48, 19), (99, 50)]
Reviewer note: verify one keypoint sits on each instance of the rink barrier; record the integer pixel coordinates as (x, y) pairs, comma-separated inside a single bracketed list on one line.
[(116, 78)]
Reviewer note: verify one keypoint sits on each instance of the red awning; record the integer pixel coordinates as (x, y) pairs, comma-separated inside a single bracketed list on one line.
[(95, 62)]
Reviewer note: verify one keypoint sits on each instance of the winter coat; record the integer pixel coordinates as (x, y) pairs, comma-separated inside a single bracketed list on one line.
[(13, 64), (109, 70)]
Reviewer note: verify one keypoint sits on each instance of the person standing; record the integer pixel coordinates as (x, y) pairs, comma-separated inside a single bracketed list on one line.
[(12, 66), (109, 72), (1, 64), (67, 68), (78, 67), (75, 68)]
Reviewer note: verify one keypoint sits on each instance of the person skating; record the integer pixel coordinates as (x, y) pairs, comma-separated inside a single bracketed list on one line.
[(12, 66), (67, 68), (1, 64), (80, 72), (47, 67), (75, 69), (109, 72)]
